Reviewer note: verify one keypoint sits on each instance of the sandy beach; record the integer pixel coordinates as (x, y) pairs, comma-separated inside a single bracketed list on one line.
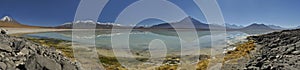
[(31, 30)]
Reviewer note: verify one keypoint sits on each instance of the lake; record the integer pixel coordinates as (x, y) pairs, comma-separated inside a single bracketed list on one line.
[(140, 39)]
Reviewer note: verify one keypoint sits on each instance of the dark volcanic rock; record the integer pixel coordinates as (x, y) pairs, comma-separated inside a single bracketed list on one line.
[(21, 54), (278, 51)]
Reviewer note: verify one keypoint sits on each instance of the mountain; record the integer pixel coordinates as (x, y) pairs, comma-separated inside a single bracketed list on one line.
[(183, 24), (233, 26), (276, 27), (86, 23), (256, 26), (7, 21)]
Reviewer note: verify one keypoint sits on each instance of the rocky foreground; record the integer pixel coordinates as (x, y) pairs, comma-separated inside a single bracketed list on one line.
[(276, 51), (21, 54)]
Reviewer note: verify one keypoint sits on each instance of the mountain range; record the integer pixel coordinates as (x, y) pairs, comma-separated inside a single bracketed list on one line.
[(256, 26), (203, 26), (183, 24), (69, 25), (233, 26), (7, 21)]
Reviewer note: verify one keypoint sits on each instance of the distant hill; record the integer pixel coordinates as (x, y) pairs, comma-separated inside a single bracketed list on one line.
[(233, 26), (256, 26), (276, 27), (11, 23), (298, 27)]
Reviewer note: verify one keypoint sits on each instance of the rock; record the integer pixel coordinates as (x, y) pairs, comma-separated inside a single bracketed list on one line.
[(3, 31), (10, 66), (2, 66), (41, 63), (68, 66), (290, 49), (253, 68), (5, 47), (296, 52), (23, 51), (18, 45)]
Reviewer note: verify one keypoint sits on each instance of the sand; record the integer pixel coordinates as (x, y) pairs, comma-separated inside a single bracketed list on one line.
[(31, 30)]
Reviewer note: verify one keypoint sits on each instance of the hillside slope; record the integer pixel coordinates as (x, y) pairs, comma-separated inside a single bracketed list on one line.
[(277, 50), (22, 54), (16, 25)]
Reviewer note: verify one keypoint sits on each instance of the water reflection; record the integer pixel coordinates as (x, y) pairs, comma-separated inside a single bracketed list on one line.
[(140, 39)]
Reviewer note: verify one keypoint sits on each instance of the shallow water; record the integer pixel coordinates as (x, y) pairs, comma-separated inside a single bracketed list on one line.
[(139, 40)]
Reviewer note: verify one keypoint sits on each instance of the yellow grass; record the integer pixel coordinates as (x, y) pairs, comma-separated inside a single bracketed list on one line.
[(203, 64), (241, 50), (167, 67), (16, 25), (61, 45)]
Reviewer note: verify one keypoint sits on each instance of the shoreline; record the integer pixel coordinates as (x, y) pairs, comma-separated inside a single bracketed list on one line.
[(16, 31)]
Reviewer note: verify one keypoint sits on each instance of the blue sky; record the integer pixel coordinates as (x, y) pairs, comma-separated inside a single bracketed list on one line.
[(285, 13)]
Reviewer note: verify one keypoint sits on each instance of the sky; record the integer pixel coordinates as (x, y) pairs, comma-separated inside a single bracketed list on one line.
[(285, 13)]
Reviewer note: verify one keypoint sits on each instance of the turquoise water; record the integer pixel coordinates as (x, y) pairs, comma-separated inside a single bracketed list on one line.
[(139, 40)]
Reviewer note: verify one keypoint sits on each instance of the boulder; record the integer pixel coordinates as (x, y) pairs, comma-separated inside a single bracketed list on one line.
[(68, 66), (5, 47), (3, 31), (2, 66), (42, 63), (296, 52)]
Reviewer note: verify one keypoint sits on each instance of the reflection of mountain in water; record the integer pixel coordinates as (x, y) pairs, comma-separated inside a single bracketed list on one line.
[(256, 31), (164, 32), (174, 33), (140, 39), (205, 33)]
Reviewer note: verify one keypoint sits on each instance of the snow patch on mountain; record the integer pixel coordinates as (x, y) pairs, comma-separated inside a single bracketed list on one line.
[(91, 22), (7, 19)]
